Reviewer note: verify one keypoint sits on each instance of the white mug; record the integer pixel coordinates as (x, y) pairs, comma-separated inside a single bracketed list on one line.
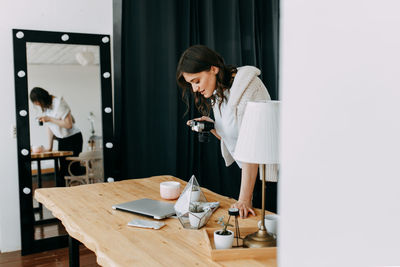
[(271, 223)]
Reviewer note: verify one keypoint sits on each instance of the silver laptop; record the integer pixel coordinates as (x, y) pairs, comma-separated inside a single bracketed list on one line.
[(148, 207)]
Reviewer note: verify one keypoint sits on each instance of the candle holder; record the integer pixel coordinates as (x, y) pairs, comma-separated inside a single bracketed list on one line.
[(235, 212)]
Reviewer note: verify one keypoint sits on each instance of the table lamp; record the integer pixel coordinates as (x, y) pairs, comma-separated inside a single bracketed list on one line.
[(258, 142)]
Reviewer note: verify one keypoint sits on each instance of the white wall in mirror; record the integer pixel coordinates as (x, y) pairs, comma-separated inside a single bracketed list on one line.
[(46, 15), (79, 86)]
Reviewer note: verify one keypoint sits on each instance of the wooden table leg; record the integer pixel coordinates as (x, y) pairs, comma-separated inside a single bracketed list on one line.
[(57, 172), (73, 252), (39, 176)]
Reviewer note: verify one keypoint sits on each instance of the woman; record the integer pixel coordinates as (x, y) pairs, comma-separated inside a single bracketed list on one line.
[(226, 89), (60, 126)]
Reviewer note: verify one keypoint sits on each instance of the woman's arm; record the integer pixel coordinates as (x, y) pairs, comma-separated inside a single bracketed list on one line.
[(249, 175), (65, 123), (51, 139), (214, 132)]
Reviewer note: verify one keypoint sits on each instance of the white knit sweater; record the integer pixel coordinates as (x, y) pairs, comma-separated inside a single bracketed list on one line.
[(246, 87)]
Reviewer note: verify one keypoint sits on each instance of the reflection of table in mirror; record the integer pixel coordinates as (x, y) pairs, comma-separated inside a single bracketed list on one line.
[(56, 156), (86, 213), (51, 155)]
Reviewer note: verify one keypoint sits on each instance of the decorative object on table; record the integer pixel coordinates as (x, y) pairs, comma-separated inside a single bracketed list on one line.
[(223, 238), (196, 214), (258, 142), (195, 194), (192, 198), (235, 212), (170, 190), (37, 149), (271, 223), (146, 224)]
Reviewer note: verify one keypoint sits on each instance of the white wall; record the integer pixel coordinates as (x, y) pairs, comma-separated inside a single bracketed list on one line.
[(340, 186), (89, 16)]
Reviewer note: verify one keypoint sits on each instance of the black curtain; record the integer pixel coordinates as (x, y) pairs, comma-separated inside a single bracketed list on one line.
[(151, 131)]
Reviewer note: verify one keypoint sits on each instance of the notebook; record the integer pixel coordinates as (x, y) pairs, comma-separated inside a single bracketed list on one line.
[(148, 207)]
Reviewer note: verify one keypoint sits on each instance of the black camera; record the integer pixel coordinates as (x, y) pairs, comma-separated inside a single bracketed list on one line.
[(203, 128)]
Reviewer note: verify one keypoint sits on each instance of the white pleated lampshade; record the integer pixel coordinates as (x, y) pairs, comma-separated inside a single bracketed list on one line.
[(258, 140)]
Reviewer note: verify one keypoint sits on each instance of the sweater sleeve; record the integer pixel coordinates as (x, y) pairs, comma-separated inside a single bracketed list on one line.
[(227, 155), (256, 91)]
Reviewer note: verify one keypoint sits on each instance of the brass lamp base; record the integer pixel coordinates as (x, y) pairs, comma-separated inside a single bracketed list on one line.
[(259, 239)]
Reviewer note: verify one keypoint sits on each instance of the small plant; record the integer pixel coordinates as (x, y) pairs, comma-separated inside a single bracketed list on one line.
[(195, 208), (223, 231), (195, 188)]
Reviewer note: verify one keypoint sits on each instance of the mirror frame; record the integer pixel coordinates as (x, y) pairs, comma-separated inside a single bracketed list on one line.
[(20, 39)]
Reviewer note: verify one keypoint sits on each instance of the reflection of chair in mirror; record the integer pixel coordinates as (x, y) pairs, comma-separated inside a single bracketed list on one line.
[(92, 161)]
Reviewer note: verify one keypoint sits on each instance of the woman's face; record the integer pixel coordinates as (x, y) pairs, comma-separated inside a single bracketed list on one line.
[(203, 82), (37, 103)]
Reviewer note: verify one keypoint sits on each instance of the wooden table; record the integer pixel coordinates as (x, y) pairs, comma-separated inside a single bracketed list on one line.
[(38, 157), (55, 155), (88, 217), (51, 154)]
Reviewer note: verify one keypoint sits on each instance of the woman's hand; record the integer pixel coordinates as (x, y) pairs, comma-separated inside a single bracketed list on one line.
[(66, 123), (244, 207), (204, 118), (249, 175), (45, 119)]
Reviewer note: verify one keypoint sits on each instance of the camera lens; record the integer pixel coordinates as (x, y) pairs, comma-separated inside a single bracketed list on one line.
[(40, 123)]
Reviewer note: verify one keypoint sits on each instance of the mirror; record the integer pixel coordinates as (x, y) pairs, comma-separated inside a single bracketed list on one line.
[(74, 70), (70, 72)]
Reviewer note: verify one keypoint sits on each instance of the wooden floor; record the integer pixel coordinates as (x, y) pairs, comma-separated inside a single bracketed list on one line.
[(51, 229), (57, 257)]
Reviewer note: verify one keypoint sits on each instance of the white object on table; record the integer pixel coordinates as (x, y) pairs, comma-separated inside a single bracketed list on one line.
[(146, 224)]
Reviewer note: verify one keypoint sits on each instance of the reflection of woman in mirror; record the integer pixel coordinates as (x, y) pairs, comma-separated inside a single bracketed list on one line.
[(60, 124), (225, 89)]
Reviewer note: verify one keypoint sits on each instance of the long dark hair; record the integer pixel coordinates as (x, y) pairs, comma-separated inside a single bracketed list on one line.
[(42, 97), (200, 58)]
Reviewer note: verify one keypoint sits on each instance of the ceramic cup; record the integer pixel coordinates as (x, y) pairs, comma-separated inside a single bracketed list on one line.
[(170, 190), (271, 223)]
